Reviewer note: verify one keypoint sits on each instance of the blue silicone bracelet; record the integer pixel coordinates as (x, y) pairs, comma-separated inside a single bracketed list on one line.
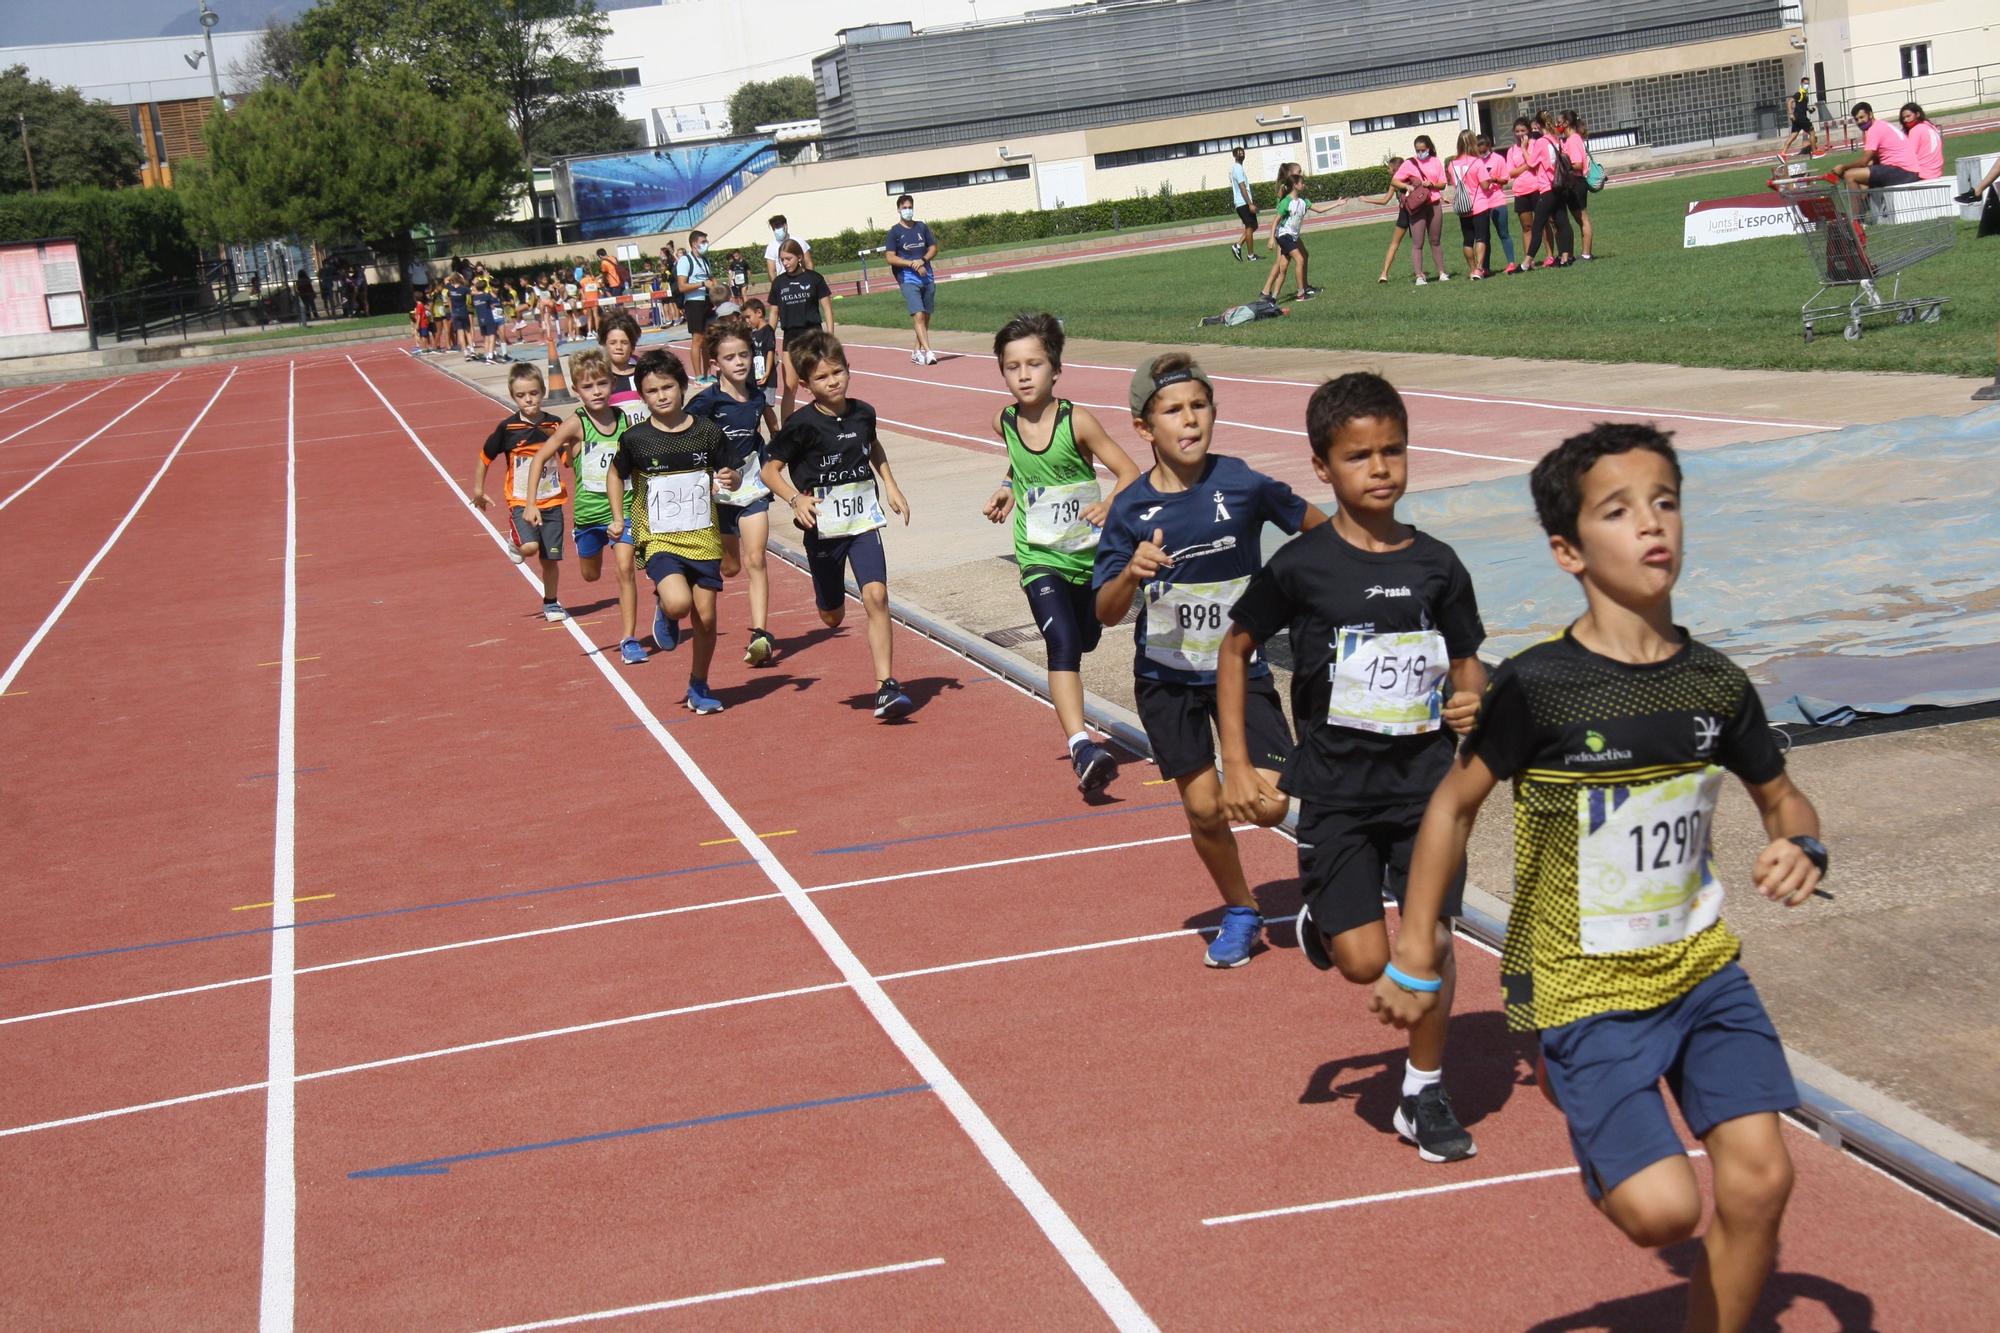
[(1410, 983)]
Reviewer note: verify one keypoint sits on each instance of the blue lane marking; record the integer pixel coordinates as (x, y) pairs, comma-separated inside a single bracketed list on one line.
[(991, 828), (369, 916), (438, 1166)]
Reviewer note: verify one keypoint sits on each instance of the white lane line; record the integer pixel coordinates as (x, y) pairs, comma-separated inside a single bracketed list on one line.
[(60, 410), (26, 485), (1104, 1286), (730, 1295), (1004, 861), (83, 577), (279, 1291), (1057, 952), (1120, 409), (23, 402)]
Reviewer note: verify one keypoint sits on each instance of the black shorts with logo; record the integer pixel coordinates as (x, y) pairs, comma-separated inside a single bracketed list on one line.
[(1178, 720), (1347, 858)]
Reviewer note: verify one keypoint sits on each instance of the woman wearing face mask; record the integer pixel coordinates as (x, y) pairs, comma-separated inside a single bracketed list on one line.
[(1539, 161), (1494, 182), (1421, 179), (1576, 147), (1526, 185)]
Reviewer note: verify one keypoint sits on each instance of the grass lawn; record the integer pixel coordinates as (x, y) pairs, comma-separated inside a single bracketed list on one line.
[(292, 330), (1645, 299)]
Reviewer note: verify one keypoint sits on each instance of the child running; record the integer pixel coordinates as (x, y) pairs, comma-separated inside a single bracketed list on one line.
[(1185, 534), (1286, 236), (763, 346), (828, 464), (678, 462), (737, 405), (1053, 447), (1383, 631), (618, 335), (588, 440), (537, 524), (1615, 734)]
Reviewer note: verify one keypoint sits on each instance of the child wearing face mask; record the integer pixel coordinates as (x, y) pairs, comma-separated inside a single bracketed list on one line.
[(780, 233), (691, 277)]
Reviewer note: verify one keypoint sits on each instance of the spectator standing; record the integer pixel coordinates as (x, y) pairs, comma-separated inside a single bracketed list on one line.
[(1246, 207), (780, 233), (1575, 146), (691, 279), (1801, 122), (910, 248), (1421, 181), (305, 290), (1472, 202), (1494, 182)]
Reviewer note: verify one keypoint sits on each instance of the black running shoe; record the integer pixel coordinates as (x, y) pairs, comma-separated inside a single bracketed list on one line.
[(1426, 1120), (1311, 943), (890, 701), (1094, 767), (1969, 197)]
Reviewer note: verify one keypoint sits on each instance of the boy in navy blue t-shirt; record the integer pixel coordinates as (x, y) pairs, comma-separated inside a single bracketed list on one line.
[(910, 247), (1184, 537)]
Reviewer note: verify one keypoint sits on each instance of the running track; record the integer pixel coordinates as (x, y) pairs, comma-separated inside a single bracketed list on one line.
[(782, 1017)]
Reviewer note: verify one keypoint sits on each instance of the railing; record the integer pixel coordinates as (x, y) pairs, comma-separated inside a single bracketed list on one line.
[(1974, 85), (154, 314)]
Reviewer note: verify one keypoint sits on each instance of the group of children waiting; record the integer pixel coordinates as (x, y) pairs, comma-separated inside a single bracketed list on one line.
[(1616, 733)]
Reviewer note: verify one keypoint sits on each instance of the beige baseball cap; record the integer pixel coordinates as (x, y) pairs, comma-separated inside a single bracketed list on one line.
[(1146, 382)]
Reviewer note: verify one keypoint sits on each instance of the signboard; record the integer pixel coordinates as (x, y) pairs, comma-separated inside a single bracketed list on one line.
[(1742, 218), (42, 305)]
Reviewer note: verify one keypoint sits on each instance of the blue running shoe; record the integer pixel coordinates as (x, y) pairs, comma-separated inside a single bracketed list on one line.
[(1240, 927), (699, 700), (666, 633), (632, 651), (890, 701)]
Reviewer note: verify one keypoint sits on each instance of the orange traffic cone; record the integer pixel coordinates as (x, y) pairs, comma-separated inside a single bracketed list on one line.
[(558, 389)]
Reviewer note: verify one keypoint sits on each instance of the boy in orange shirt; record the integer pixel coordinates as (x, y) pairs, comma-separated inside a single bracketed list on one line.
[(537, 523)]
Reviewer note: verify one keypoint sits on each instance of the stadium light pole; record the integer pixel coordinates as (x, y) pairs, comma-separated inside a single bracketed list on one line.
[(209, 18)]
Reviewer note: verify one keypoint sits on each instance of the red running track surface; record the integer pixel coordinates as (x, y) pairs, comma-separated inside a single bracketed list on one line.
[(565, 1046)]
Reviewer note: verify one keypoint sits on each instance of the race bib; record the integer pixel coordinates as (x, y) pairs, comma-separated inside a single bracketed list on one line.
[(1391, 684), (678, 502), (551, 483), (848, 509), (757, 364), (1186, 622), (1643, 871), (750, 490), (1053, 516), (593, 465)]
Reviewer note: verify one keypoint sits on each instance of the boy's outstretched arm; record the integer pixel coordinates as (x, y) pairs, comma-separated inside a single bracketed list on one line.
[(1440, 851), (1245, 794), (1783, 872)]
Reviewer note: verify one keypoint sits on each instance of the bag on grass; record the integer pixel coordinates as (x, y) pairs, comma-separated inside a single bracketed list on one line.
[(1989, 216), (1244, 314)]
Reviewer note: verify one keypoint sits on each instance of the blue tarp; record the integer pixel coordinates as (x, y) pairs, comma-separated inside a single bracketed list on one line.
[(1850, 572)]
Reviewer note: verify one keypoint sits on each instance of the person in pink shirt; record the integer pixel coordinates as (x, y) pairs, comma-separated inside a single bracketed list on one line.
[(1539, 154), (1493, 182), (1421, 182), (1926, 141), (1467, 171), (1886, 158), (1576, 147), (1526, 185), (1402, 217)]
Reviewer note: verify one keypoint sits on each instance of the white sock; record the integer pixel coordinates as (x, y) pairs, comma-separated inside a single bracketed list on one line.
[(1415, 1080), (1080, 738)]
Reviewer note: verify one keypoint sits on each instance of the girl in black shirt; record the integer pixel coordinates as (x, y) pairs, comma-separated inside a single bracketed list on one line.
[(804, 302)]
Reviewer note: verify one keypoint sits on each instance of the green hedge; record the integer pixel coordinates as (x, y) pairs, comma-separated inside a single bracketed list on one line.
[(1147, 210), (125, 238)]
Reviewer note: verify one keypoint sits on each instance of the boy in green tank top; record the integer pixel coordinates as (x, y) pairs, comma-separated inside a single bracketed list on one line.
[(587, 441), (1054, 449)]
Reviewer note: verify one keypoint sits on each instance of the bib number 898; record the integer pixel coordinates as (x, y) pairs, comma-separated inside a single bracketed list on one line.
[(1199, 615)]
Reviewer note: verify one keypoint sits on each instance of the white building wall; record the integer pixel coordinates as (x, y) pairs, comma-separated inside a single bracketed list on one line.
[(1860, 42), (147, 69)]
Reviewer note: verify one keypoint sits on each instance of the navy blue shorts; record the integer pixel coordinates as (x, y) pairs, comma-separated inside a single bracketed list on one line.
[(727, 517), (829, 559), (592, 538), (1715, 1047), (662, 565), (1066, 614), (1287, 243)]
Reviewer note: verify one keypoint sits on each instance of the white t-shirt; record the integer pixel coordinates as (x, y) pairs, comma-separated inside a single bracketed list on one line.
[(1239, 185), (771, 252)]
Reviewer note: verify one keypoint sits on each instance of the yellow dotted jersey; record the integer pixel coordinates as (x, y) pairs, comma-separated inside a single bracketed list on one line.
[(1615, 769), (671, 504)]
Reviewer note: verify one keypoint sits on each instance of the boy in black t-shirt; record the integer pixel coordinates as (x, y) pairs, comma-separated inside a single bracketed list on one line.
[(763, 346), (828, 464), (1383, 631), (1616, 734)]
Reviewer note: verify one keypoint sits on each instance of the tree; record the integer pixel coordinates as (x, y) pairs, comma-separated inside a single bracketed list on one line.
[(766, 102), (368, 153), (582, 126), (535, 57), (277, 56), (75, 142)]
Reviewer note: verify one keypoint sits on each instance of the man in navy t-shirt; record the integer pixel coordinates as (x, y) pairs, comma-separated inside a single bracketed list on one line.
[(910, 248)]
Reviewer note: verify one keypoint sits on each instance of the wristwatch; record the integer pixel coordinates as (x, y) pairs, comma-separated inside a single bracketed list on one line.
[(1814, 849)]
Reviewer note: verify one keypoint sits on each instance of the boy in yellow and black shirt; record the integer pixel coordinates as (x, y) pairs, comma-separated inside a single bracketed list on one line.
[(1616, 735)]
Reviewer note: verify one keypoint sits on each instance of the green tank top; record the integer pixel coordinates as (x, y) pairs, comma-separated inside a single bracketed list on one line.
[(1051, 489), (593, 469)]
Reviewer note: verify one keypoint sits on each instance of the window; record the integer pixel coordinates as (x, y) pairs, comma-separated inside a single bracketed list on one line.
[(1327, 153), (1168, 152), (1917, 61), (956, 179), (1403, 120), (829, 80)]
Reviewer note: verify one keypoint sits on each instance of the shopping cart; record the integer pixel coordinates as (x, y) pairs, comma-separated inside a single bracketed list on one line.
[(1856, 238)]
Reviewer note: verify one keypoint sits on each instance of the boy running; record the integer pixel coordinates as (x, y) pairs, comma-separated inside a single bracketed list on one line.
[(763, 346), (675, 462), (828, 464), (538, 523), (1383, 631), (1612, 734), (1185, 534), (588, 440), (736, 404), (1053, 447)]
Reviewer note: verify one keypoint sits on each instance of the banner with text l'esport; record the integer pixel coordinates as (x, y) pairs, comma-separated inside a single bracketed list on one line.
[(1743, 218)]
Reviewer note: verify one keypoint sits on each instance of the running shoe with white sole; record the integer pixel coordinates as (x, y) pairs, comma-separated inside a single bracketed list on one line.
[(699, 700), (514, 553), (760, 648), (666, 633), (890, 701), (1094, 767), (1237, 250), (1311, 943), (1427, 1121), (1238, 936), (553, 612), (633, 652)]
